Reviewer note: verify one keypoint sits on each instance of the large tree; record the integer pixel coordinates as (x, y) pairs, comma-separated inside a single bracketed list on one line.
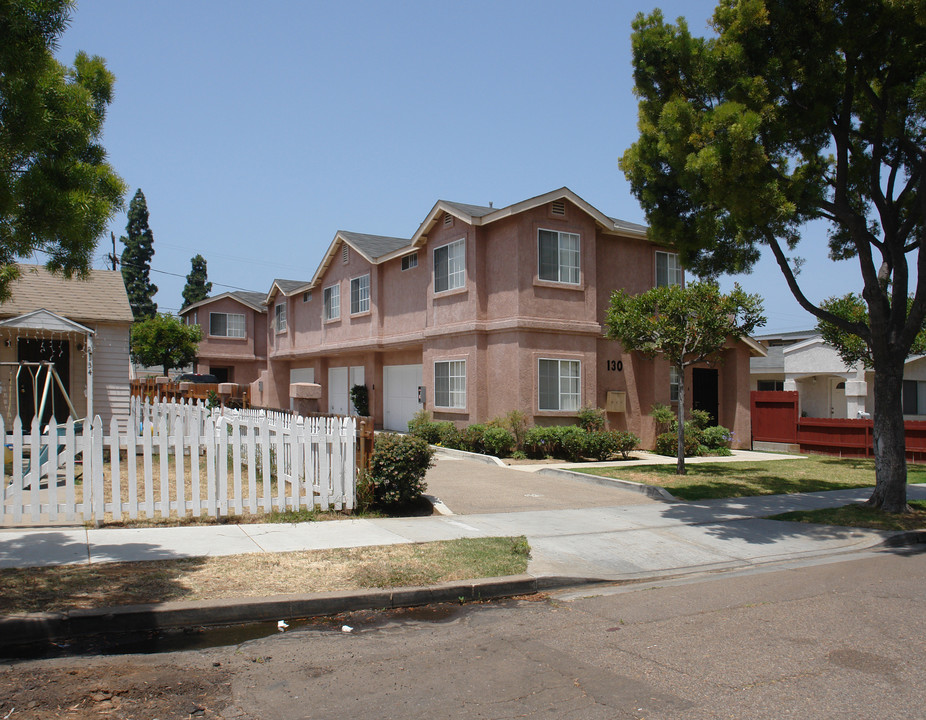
[(57, 190), (136, 259), (796, 111), (197, 287), (688, 325), (164, 340)]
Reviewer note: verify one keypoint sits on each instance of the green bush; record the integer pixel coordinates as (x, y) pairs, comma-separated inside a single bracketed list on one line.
[(626, 442), (539, 442), (572, 441), (448, 435), (591, 419), (667, 444), (516, 422), (716, 437), (472, 439), (360, 397), (665, 418), (604, 444), (700, 419), (422, 426), (398, 468), (498, 441)]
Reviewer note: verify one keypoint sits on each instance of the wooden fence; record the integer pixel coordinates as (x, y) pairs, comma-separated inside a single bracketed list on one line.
[(775, 419), (177, 460), (150, 389)]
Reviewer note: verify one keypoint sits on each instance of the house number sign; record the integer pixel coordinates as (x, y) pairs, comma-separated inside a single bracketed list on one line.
[(615, 365)]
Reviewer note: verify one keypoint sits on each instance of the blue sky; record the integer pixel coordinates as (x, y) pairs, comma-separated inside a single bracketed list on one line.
[(258, 130)]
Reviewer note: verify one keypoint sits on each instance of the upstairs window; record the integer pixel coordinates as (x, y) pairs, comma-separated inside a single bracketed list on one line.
[(559, 256), (332, 301), (560, 385), (360, 295), (410, 261), (668, 269), (279, 313), (450, 266), (226, 325)]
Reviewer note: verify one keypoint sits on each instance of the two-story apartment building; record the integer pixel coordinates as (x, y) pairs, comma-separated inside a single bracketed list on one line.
[(486, 310)]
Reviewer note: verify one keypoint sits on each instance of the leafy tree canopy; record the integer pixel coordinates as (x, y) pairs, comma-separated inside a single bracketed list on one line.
[(57, 190), (796, 111), (197, 287), (136, 259), (164, 340), (687, 325)]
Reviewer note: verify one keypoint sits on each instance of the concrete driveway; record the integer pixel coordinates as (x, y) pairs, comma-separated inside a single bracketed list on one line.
[(470, 487)]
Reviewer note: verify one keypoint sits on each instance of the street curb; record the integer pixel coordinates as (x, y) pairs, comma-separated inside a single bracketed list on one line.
[(464, 455), (20, 630), (654, 491)]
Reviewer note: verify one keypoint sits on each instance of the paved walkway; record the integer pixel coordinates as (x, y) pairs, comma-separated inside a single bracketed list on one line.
[(607, 540)]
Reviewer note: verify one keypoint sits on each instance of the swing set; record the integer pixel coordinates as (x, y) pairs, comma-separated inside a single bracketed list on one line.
[(41, 373)]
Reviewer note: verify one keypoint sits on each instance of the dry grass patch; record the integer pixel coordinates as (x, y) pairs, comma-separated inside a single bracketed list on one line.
[(257, 575)]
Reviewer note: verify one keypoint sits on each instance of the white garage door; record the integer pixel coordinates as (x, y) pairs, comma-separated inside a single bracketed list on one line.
[(337, 391), (400, 395)]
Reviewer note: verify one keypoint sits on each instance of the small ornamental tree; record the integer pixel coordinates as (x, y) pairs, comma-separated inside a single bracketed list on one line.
[(197, 286), (686, 324), (164, 340), (136, 259)]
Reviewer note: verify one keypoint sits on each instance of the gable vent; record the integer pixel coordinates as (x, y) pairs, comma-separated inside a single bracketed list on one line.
[(558, 207), (345, 253), (448, 219)]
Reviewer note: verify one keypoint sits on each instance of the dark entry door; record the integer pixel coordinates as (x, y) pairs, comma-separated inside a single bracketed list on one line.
[(56, 351), (704, 391)]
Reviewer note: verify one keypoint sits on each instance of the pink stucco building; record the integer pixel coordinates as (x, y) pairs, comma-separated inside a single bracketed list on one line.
[(481, 311)]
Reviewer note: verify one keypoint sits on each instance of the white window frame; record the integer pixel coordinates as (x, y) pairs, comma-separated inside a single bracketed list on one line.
[(362, 304), (238, 332), (410, 261), (673, 269), (568, 261), (331, 301), (673, 384), (454, 255), (573, 400), (279, 317), (454, 395)]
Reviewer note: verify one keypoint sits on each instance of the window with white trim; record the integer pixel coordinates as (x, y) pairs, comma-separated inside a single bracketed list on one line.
[(279, 314), (332, 302), (450, 266), (668, 269), (560, 384), (360, 294), (558, 254), (410, 261), (450, 384), (673, 383), (226, 325)]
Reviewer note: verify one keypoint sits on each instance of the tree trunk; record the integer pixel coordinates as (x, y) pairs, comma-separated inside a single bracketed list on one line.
[(890, 492), (680, 466)]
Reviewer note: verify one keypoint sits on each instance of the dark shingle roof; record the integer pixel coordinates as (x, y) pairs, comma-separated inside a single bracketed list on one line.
[(374, 246), (254, 298), (471, 210), (287, 286)]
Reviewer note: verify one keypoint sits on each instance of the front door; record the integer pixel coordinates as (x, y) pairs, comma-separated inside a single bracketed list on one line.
[(704, 389), (32, 380)]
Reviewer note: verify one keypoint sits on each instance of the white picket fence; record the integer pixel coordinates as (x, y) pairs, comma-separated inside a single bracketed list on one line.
[(177, 460)]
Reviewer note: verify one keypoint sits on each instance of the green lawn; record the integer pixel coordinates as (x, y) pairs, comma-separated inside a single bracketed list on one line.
[(743, 479), (861, 516)]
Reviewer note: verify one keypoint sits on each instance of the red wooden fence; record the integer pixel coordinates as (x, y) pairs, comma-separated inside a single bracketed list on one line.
[(775, 419)]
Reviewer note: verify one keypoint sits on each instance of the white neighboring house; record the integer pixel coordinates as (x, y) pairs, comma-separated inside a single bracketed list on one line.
[(82, 326), (803, 362)]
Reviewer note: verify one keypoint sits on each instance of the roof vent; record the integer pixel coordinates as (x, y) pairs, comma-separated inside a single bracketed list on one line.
[(448, 219), (558, 207), (345, 253)]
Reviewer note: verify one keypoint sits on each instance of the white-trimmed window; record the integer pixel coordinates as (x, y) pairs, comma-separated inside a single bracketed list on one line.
[(450, 266), (279, 314), (673, 383), (193, 318), (668, 269), (560, 384), (450, 384), (360, 294), (410, 261), (226, 325), (332, 301), (558, 254)]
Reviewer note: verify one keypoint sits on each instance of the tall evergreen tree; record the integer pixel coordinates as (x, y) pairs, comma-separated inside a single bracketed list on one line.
[(197, 287), (136, 259)]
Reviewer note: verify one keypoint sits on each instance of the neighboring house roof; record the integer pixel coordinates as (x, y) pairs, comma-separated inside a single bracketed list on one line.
[(254, 300), (286, 288), (99, 297)]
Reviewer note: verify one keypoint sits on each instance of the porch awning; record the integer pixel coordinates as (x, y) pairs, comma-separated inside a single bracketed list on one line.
[(45, 320)]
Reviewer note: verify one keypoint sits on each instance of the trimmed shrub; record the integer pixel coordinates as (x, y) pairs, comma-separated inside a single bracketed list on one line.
[(626, 442), (472, 438), (448, 435), (422, 426), (572, 441), (498, 441), (516, 423), (699, 419), (591, 419), (665, 418), (600, 444), (667, 444), (716, 437), (539, 443), (398, 468)]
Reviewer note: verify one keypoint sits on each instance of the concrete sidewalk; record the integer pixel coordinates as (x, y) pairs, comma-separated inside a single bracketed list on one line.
[(610, 543)]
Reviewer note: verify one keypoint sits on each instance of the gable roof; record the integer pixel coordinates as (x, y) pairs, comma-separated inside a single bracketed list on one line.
[(99, 297), (286, 288), (253, 300), (45, 320)]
